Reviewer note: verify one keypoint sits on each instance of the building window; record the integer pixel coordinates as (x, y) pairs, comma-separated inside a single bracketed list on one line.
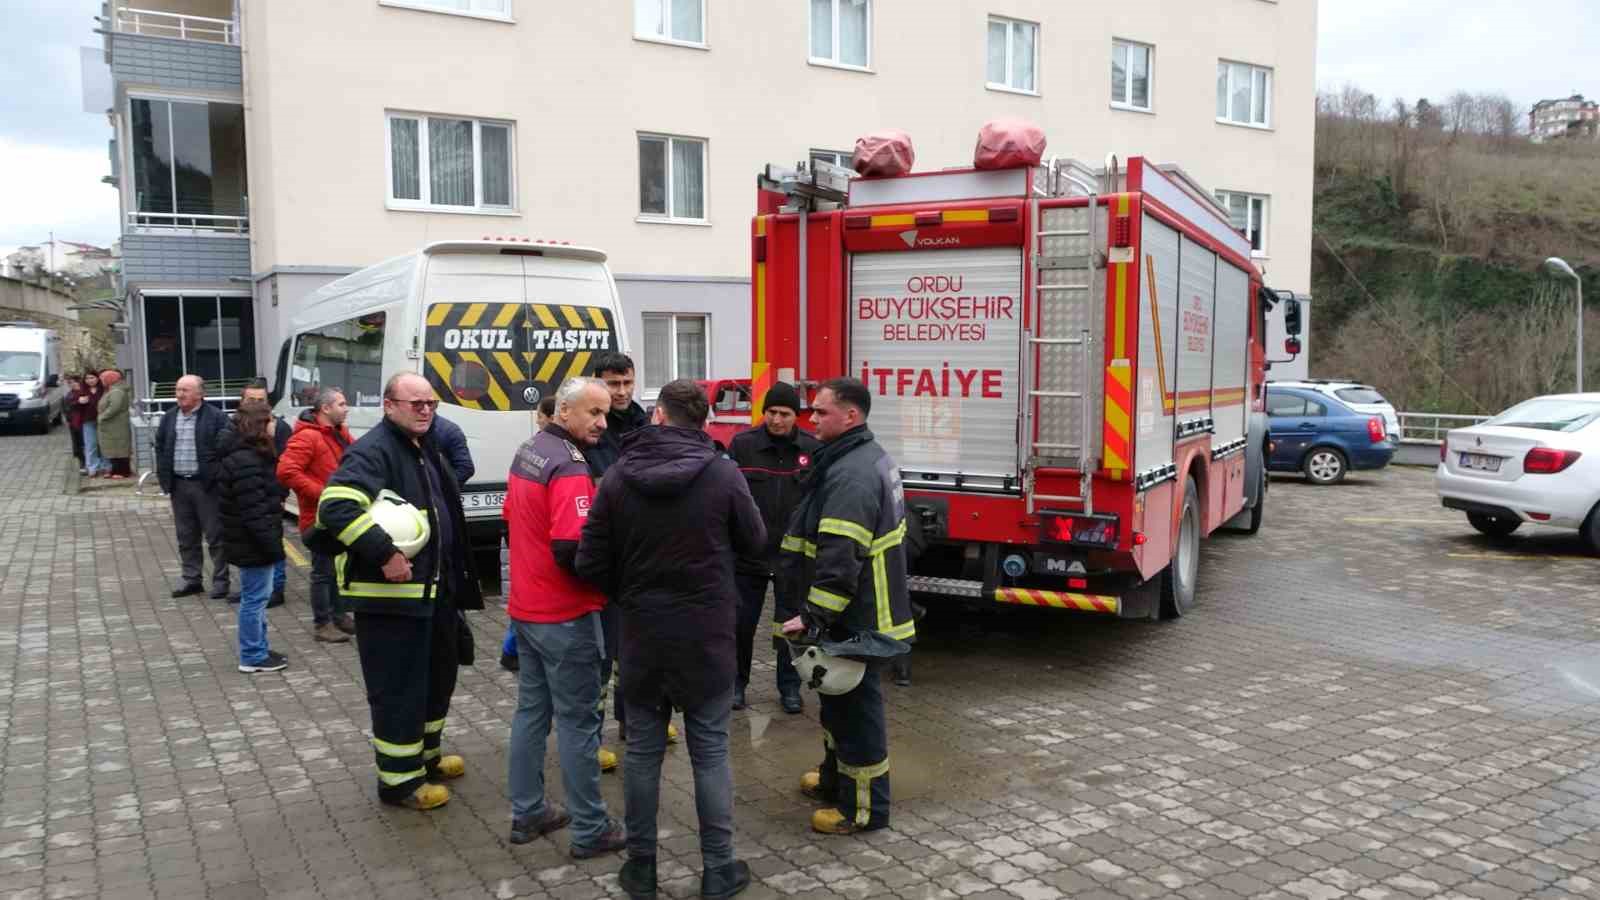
[(1130, 75), (833, 157), (1013, 48), (459, 165), (346, 355), (672, 178), (675, 346), (486, 9), (199, 334), (188, 163), (841, 32), (1248, 213), (674, 21), (1244, 94)]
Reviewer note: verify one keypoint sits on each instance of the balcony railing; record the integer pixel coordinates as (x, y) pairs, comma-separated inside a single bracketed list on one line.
[(187, 223), (155, 23)]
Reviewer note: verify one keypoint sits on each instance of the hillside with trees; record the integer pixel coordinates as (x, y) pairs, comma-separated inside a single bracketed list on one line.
[(1431, 222)]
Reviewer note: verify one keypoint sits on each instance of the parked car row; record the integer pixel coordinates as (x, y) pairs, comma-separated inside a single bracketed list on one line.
[(1325, 429)]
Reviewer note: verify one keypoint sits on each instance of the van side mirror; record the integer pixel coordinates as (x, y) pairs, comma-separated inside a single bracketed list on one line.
[(1292, 346), (1291, 318), (52, 381)]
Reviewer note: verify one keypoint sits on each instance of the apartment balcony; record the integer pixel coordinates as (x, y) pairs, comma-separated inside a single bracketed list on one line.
[(174, 44)]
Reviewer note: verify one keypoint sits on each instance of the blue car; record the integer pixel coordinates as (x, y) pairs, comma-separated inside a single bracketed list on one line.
[(1312, 433)]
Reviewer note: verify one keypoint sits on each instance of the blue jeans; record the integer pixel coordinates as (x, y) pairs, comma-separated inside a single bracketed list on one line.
[(279, 576), (509, 647), (91, 449), (559, 679), (706, 731), (255, 589)]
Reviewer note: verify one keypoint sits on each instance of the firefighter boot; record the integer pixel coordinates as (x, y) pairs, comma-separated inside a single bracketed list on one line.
[(451, 766), (428, 796), (811, 785), (608, 760), (831, 821)]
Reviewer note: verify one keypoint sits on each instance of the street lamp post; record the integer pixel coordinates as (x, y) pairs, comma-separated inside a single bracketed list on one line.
[(1559, 266)]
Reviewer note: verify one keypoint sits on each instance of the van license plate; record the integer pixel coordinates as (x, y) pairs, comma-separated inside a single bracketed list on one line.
[(1480, 462), (485, 500)]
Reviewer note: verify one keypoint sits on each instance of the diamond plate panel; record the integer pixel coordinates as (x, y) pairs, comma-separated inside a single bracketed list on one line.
[(1067, 314)]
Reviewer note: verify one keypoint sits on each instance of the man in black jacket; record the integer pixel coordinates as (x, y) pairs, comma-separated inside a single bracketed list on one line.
[(185, 442), (845, 546), (773, 456), (661, 539), (407, 620)]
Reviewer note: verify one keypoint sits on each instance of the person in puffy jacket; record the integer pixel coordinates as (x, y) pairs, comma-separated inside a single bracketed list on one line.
[(670, 519), (311, 455), (114, 429), (250, 504)]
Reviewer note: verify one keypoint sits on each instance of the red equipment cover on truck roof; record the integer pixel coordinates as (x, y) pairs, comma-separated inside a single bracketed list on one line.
[(1007, 144), (886, 152)]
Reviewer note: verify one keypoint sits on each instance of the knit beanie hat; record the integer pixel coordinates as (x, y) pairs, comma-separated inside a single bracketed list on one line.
[(782, 394)]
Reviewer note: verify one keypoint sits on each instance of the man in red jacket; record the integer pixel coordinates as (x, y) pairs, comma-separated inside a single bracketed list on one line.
[(560, 643), (312, 454)]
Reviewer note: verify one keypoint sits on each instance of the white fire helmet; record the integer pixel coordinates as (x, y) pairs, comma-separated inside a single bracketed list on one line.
[(825, 673), (406, 525)]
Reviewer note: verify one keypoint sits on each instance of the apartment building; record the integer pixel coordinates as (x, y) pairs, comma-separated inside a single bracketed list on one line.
[(372, 127), (1568, 117)]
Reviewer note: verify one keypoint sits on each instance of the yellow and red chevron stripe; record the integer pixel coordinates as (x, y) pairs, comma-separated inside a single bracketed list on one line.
[(1100, 603), (1118, 417)]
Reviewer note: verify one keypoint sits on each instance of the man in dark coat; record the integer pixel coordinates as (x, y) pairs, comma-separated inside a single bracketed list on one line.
[(662, 537), (185, 442), (773, 456)]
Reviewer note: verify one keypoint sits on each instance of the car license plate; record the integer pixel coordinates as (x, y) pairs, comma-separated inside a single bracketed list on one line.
[(1480, 462), (483, 501)]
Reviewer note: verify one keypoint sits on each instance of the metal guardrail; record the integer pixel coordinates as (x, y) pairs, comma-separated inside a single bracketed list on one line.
[(154, 221), (1431, 427), (155, 23)]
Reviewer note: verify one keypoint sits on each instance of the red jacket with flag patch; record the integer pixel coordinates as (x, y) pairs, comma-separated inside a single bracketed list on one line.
[(548, 495)]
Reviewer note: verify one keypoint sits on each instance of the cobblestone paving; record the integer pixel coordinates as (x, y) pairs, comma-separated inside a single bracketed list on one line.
[(1369, 700)]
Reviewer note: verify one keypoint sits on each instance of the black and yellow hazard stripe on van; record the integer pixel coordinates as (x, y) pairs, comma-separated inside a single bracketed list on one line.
[(509, 356)]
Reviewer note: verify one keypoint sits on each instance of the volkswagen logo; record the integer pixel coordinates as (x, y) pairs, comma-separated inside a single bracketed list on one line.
[(531, 395)]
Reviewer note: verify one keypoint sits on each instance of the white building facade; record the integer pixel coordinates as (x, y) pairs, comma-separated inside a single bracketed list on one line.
[(372, 127)]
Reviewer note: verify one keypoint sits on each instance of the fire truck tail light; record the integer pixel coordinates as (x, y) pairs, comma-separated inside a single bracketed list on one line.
[(858, 221), (1093, 531), (1139, 539), (1078, 584), (929, 219), (1003, 214), (1122, 232), (1548, 461)]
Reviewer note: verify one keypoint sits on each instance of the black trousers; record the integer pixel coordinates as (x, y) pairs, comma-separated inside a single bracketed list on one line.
[(194, 512), (752, 600), (611, 633), (409, 666), (77, 443), (855, 757)]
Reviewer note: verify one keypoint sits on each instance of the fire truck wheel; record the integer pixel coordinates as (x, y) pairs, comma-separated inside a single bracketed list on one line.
[(1257, 511), (1325, 465), (1179, 578)]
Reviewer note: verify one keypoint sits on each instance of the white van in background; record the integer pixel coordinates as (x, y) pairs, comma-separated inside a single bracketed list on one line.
[(30, 376), (495, 326)]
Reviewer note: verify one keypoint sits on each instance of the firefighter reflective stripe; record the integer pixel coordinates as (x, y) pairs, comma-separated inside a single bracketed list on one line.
[(340, 492), (396, 750), (845, 528), (892, 539), (434, 727), (880, 590), (793, 543), (432, 753), (828, 600), (432, 733), (862, 776), (393, 779), (905, 631), (827, 739), (382, 590), (355, 529), (777, 630)]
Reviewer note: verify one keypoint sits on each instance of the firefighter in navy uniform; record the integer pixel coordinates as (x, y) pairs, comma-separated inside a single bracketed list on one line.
[(845, 548), (409, 632), (772, 456)]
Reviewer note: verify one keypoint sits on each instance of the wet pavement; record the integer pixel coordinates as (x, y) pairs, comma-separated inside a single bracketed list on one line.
[(1368, 700)]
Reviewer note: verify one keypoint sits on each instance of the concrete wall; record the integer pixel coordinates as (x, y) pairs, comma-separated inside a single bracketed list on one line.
[(175, 64), (579, 87), (183, 259), (24, 299)]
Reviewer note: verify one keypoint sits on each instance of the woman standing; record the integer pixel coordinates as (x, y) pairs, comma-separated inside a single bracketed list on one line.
[(250, 503), (114, 429), (88, 406)]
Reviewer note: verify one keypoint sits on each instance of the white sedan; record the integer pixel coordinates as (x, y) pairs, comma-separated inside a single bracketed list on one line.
[(1538, 461)]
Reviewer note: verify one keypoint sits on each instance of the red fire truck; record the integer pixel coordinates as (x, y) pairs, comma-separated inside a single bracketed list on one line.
[(1067, 364)]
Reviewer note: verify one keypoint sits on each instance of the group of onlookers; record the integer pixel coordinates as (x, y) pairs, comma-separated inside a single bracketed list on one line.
[(97, 413)]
